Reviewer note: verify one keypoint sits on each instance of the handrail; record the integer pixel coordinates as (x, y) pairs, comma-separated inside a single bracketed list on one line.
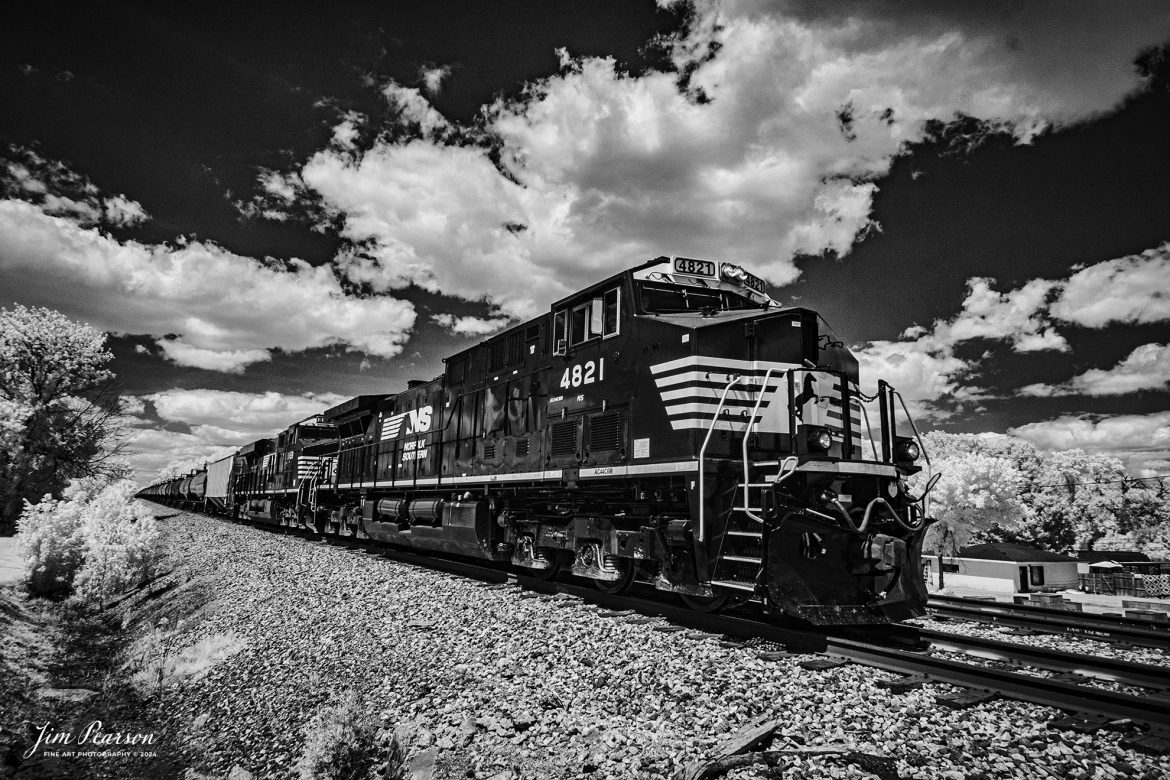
[(930, 481), (702, 454), (748, 430)]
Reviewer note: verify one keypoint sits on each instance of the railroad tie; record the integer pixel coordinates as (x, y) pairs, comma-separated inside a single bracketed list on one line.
[(905, 683), (965, 698)]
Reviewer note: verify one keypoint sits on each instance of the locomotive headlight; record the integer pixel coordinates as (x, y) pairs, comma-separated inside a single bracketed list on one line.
[(906, 450), (733, 273), (819, 439)]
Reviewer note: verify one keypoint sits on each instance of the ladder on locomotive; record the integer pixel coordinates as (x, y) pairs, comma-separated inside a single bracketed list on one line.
[(309, 486), (739, 560)]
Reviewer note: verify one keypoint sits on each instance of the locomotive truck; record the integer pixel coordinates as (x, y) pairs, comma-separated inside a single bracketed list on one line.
[(672, 424)]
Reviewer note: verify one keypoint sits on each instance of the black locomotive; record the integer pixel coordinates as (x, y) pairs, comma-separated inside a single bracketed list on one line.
[(671, 424)]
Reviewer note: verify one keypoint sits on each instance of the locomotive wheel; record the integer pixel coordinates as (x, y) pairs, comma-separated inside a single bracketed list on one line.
[(552, 572), (704, 604), (629, 574)]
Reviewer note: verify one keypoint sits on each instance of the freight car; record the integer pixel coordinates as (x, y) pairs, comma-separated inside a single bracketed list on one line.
[(671, 424)]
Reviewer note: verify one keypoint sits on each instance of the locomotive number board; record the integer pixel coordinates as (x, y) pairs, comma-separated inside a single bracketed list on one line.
[(753, 282), (685, 265)]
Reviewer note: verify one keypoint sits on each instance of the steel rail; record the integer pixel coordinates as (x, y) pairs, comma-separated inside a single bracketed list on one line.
[(1055, 621), (1097, 667), (1145, 710)]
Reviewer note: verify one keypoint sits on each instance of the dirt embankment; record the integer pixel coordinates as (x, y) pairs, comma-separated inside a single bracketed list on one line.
[(74, 685)]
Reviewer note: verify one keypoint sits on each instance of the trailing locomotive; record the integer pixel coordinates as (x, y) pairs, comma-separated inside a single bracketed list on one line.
[(671, 424)]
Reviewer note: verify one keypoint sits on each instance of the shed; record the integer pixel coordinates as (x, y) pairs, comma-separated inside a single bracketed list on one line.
[(1131, 561), (1005, 568)]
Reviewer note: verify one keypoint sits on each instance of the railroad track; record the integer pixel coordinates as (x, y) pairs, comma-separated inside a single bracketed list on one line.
[(900, 650), (1095, 667), (1143, 633)]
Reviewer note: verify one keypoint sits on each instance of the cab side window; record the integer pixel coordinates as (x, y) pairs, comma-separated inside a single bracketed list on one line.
[(596, 318)]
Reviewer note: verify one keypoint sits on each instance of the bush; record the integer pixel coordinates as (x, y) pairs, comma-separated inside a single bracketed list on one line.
[(48, 538), (121, 545), (96, 542), (339, 742)]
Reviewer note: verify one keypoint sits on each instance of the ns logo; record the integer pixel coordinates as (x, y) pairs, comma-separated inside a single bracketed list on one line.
[(406, 423)]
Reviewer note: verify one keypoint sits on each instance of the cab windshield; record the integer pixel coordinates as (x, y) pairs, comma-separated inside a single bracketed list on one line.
[(660, 298)]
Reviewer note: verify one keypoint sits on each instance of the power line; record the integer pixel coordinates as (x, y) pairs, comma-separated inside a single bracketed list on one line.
[(1107, 481)]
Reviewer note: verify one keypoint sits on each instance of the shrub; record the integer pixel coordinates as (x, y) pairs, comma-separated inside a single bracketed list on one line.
[(121, 544), (49, 539), (96, 541), (339, 742)]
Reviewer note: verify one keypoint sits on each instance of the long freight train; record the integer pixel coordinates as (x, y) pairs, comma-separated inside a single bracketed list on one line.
[(671, 424)]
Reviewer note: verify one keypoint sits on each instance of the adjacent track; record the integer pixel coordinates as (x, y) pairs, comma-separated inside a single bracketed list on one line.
[(1132, 631), (1088, 666)]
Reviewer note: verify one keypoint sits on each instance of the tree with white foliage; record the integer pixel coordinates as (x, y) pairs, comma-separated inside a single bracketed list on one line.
[(1083, 491), (974, 492), (180, 469), (58, 407)]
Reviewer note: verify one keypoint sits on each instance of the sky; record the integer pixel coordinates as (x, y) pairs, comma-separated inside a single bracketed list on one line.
[(271, 209)]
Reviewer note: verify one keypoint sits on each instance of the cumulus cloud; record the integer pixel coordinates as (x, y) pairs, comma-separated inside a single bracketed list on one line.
[(224, 417), (415, 109), (1127, 290), (1146, 368), (120, 210), (61, 191), (226, 310), (767, 147), (1014, 316), (923, 365), (1131, 289), (470, 326), (149, 450), (922, 370), (1141, 441), (230, 361), (432, 77)]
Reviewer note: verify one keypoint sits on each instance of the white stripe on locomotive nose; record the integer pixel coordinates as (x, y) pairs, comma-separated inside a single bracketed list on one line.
[(718, 363), (703, 423), (709, 408), (717, 379), (747, 394)]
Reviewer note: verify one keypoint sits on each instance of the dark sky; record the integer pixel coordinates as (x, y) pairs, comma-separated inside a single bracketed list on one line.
[(656, 132)]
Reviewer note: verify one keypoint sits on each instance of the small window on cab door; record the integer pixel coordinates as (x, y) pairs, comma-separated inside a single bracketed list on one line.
[(579, 324), (612, 312), (560, 335)]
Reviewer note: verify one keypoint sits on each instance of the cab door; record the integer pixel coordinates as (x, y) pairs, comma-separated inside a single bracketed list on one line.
[(580, 382)]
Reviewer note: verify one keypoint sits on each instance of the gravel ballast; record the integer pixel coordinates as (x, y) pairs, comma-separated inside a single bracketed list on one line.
[(496, 683)]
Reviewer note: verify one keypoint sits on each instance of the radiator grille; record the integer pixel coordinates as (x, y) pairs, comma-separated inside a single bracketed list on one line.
[(489, 451), (522, 447), (564, 437), (605, 432)]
